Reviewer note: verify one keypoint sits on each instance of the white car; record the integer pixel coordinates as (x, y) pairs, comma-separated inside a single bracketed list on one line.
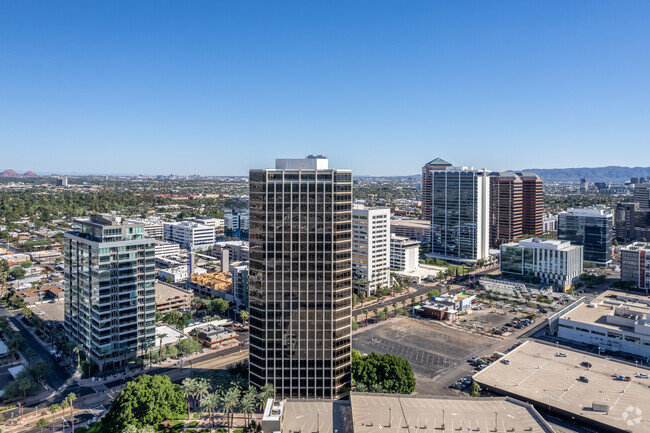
[(642, 376), (506, 361), (561, 354)]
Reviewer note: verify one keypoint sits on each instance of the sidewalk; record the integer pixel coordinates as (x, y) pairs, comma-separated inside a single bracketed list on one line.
[(165, 364)]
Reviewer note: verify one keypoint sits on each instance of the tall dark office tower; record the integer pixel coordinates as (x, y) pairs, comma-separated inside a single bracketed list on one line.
[(505, 208), (532, 204), (436, 164), (624, 221), (592, 227), (301, 278), (110, 299)]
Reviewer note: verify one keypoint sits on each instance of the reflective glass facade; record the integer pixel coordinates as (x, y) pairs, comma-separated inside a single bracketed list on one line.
[(110, 302), (300, 281), (459, 214), (592, 229)]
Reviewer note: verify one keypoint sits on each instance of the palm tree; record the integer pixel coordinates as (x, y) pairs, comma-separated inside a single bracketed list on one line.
[(202, 389), (41, 423), (54, 409), (161, 336), (366, 314), (376, 387), (267, 391), (374, 312), (229, 403), (394, 309), (71, 398), (188, 387), (244, 317), (77, 349), (63, 406), (208, 404), (248, 402)]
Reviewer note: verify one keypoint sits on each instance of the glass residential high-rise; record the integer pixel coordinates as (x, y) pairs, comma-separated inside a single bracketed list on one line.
[(460, 206), (300, 278), (591, 227), (110, 302)]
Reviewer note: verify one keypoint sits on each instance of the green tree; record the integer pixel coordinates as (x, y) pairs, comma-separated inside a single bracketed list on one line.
[(188, 386), (169, 280), (392, 373), (433, 293), (53, 410), (71, 398), (41, 423), (230, 403), (248, 402), (218, 305), (26, 313), (18, 273), (243, 315), (210, 403), (148, 400), (266, 392), (476, 390)]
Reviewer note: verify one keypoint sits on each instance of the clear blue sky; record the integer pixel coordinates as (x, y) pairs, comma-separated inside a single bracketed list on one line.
[(381, 87)]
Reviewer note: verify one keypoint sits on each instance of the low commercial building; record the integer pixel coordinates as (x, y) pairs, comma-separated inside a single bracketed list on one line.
[(396, 413), (170, 298), (176, 275), (614, 321), (166, 249), (552, 261), (217, 223), (635, 264), (43, 257), (404, 253), (214, 335), (209, 284), (189, 234)]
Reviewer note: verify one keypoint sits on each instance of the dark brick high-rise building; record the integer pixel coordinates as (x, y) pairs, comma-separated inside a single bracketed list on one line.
[(516, 206)]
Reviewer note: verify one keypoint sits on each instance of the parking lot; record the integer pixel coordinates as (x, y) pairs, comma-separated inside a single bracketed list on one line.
[(49, 311), (429, 346)]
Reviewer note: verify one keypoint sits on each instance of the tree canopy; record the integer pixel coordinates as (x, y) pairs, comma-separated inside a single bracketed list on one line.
[(390, 373), (148, 400)]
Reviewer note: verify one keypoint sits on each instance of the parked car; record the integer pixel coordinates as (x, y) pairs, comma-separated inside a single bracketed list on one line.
[(583, 379), (586, 364), (642, 376), (561, 354), (505, 361), (623, 378)]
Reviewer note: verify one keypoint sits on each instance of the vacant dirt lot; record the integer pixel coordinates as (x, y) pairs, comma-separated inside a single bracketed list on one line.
[(429, 346)]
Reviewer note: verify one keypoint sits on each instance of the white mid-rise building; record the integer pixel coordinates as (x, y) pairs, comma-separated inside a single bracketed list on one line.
[(166, 249), (550, 260), (635, 264), (236, 222), (370, 249), (217, 223), (189, 234), (177, 275), (404, 254), (238, 250)]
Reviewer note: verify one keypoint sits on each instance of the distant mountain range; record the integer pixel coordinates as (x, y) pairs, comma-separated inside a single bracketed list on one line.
[(593, 174), (12, 173)]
